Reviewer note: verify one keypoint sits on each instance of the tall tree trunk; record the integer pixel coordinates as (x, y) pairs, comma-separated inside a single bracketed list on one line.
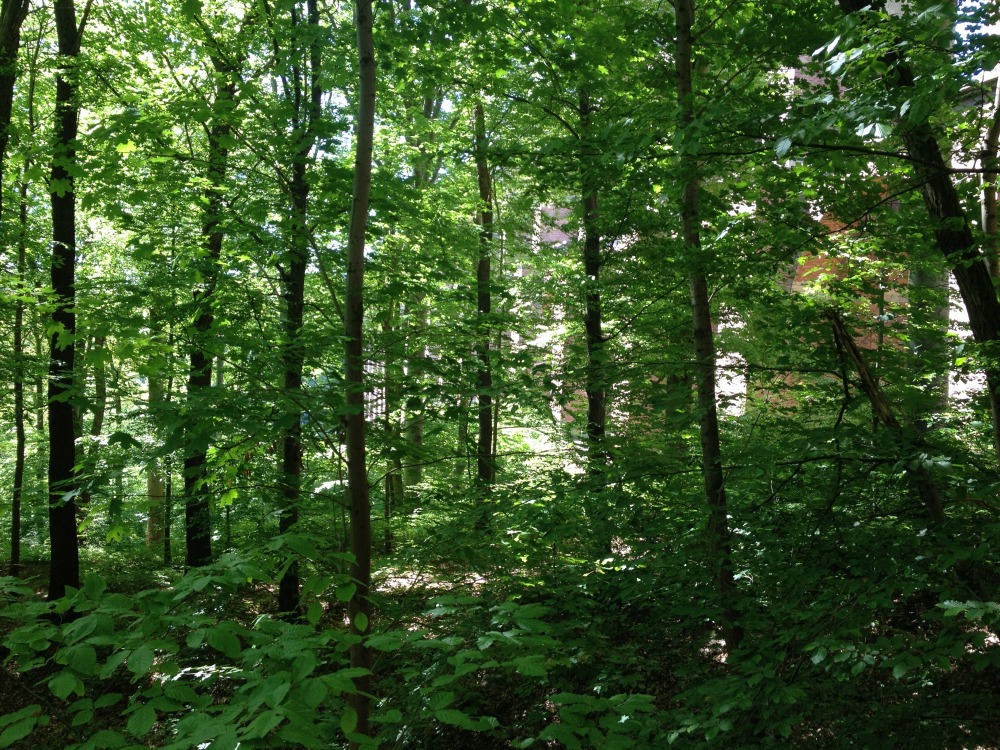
[(359, 608), (990, 164), (19, 431), (168, 465), (424, 174), (927, 325), (197, 506), (156, 488), (952, 232), (12, 15), (720, 553), (413, 422), (596, 385), (394, 489), (293, 277), (65, 555), (20, 413), (485, 462)]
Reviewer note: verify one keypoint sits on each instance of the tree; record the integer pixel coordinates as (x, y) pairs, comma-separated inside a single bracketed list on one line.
[(65, 560), (357, 473), (303, 98), (720, 552), (952, 230), (197, 514), (485, 458)]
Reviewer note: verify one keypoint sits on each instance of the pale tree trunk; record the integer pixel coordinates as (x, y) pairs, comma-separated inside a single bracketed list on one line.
[(424, 174), (393, 490), (64, 552), (485, 461), (9, 42), (359, 607), (927, 323), (720, 552), (156, 486), (991, 166)]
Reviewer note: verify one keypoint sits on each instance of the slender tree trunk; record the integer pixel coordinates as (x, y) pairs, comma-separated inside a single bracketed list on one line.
[(12, 15), (991, 163), (951, 226), (86, 453), (720, 553), (393, 490), (168, 465), (884, 414), (65, 555), (19, 431), (424, 174), (197, 506), (359, 608), (596, 385), (413, 423), (155, 483), (927, 324), (293, 277), (485, 463)]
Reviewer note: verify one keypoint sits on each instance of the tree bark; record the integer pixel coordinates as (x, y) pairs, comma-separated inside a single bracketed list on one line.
[(990, 163), (155, 484), (9, 38), (65, 555), (927, 324), (306, 115), (596, 382), (720, 552), (12, 15), (359, 607), (884, 413), (197, 506), (485, 461)]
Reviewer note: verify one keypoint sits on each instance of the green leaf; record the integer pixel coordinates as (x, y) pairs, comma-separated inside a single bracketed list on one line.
[(82, 658), (782, 147), (65, 683), (348, 720), (224, 640), (21, 724), (140, 660), (361, 622), (455, 718), (345, 592), (191, 8), (108, 699), (107, 739), (141, 721), (314, 613)]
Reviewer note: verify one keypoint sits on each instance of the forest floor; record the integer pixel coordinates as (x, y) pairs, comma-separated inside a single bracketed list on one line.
[(559, 657)]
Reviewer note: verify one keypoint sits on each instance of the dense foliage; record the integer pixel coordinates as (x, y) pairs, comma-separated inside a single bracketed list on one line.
[(672, 431)]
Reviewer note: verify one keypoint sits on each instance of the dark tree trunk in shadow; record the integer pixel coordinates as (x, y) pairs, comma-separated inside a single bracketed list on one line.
[(359, 607), (719, 544), (197, 504), (65, 555), (485, 462)]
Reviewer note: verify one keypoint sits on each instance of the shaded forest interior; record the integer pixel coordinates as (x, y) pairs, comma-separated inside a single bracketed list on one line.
[(478, 375)]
